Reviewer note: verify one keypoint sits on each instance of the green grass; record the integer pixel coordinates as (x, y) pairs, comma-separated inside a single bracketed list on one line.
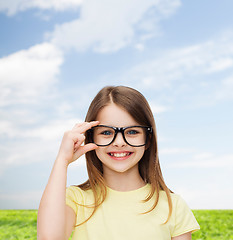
[(215, 224), (18, 224), (21, 224)]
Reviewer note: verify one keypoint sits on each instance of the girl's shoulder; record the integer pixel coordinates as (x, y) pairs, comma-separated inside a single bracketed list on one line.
[(78, 191), (177, 200), (78, 195), (179, 205)]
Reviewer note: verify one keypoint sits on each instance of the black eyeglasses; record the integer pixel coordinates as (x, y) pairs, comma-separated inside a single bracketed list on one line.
[(135, 136)]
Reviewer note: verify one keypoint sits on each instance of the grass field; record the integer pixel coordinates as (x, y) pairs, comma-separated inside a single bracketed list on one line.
[(21, 224)]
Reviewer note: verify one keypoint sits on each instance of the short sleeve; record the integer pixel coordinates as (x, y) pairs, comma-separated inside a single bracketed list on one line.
[(73, 196), (184, 219)]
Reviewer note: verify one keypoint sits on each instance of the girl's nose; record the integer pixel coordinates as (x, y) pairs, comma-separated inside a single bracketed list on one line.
[(119, 140)]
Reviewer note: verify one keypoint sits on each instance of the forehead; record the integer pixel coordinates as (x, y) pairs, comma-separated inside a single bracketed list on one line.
[(116, 116)]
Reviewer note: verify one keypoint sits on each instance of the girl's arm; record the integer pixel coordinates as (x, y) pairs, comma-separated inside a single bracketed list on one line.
[(186, 236), (55, 219)]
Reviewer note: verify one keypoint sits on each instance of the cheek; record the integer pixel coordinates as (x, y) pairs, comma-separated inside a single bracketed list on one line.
[(100, 153), (141, 153)]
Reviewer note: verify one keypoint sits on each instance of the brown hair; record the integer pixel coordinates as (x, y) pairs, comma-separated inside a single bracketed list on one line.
[(149, 168)]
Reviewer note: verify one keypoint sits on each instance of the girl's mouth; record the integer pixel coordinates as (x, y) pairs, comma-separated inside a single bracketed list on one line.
[(119, 154)]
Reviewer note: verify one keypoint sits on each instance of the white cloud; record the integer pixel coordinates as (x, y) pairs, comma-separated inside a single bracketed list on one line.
[(23, 200), (107, 26), (24, 145), (156, 108), (28, 74), (27, 79), (139, 47), (200, 177), (225, 90), (207, 196), (204, 160), (172, 151), (11, 7), (220, 64), (25, 151), (52, 130), (178, 68)]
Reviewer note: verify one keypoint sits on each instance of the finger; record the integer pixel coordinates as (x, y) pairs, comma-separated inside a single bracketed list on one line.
[(76, 137), (83, 127), (77, 125), (84, 149)]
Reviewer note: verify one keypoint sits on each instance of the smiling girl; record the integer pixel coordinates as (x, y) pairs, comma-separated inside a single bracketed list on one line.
[(125, 196)]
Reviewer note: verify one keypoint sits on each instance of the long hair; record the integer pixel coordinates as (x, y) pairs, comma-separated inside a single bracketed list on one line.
[(149, 168)]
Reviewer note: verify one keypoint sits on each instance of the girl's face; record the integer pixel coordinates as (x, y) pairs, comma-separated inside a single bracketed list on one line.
[(118, 157)]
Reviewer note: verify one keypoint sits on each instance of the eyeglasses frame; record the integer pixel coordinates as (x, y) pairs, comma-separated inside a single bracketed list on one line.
[(122, 131)]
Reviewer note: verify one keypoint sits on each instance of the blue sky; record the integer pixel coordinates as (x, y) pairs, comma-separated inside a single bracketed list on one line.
[(56, 55)]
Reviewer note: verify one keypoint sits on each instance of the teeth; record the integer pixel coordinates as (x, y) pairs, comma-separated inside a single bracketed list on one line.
[(119, 154)]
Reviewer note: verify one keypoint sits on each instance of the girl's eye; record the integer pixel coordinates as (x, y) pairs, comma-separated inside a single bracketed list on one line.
[(132, 132), (107, 133)]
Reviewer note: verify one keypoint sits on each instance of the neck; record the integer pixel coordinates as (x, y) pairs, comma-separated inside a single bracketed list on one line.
[(126, 181)]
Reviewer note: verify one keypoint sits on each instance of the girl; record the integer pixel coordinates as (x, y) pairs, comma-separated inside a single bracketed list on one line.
[(125, 196)]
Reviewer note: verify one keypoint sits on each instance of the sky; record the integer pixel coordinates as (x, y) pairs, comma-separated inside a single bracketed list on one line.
[(56, 55)]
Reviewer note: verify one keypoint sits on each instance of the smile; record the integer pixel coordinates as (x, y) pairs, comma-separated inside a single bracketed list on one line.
[(119, 155)]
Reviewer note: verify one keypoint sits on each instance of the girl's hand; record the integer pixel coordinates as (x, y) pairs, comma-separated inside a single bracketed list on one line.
[(71, 149)]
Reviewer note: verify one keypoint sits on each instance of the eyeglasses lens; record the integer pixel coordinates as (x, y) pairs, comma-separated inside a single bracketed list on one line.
[(135, 136)]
